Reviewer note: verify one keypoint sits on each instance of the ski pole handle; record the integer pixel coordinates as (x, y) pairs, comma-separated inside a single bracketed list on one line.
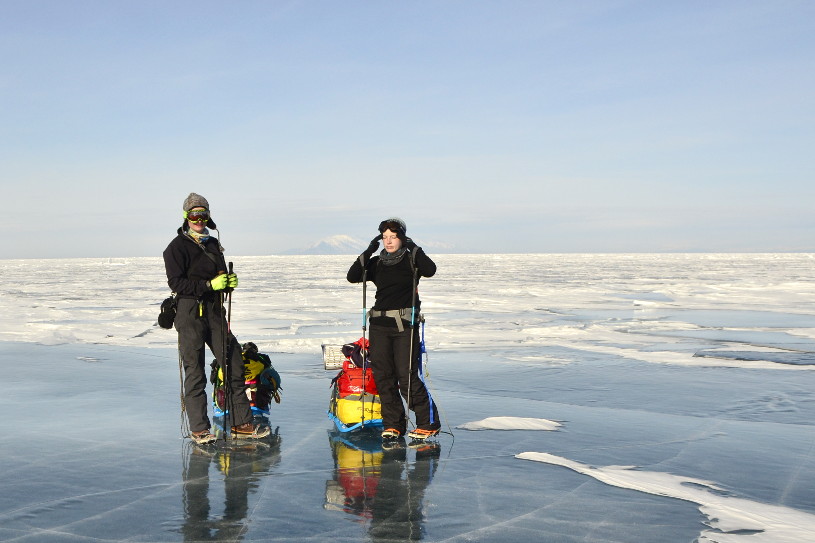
[(229, 306)]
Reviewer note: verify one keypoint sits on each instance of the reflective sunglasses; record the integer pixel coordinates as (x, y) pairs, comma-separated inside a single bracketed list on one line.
[(198, 216)]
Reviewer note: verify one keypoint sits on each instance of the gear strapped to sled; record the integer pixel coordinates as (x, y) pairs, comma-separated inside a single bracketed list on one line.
[(262, 382), (354, 398)]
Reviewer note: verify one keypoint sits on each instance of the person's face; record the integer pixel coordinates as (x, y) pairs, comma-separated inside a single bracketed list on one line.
[(391, 241), (199, 225)]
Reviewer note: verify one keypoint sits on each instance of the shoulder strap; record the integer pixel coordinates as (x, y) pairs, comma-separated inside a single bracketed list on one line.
[(209, 255)]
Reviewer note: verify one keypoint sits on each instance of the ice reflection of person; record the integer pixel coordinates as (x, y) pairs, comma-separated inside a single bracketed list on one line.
[(398, 512), (381, 484), (241, 467)]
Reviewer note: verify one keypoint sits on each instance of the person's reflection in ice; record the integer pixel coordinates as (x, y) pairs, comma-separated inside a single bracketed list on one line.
[(397, 511), (240, 465), (382, 485)]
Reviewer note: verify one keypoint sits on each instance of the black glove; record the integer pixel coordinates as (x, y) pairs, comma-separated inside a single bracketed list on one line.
[(410, 244), (372, 248)]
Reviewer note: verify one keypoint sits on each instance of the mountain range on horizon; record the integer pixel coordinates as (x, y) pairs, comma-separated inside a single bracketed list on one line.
[(342, 244)]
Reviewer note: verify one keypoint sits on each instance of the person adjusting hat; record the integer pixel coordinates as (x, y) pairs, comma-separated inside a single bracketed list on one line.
[(395, 352)]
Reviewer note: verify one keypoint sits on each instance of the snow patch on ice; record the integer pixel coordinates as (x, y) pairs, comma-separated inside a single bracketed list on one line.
[(57, 337), (90, 359), (648, 299), (538, 361), (732, 519), (511, 423), (648, 303)]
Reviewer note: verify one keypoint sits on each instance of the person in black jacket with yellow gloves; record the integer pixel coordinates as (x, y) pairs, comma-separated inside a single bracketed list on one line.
[(395, 352), (197, 273)]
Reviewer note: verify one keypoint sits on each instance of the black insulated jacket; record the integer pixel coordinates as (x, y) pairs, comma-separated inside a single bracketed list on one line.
[(189, 266)]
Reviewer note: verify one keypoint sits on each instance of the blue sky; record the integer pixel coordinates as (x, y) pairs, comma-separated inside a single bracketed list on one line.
[(506, 126)]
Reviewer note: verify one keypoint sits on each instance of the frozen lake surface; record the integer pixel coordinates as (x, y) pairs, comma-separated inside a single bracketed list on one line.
[(592, 398)]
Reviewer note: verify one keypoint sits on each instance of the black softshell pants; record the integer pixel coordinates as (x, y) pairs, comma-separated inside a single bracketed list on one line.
[(200, 325), (390, 361)]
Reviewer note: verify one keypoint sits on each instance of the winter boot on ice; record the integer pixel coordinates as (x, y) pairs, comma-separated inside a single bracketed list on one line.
[(420, 434), (203, 437), (250, 431), (391, 434)]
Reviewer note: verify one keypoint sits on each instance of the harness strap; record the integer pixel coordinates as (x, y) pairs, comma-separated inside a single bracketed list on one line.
[(397, 314)]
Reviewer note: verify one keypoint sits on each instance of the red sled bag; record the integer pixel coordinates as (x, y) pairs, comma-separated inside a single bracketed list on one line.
[(354, 380)]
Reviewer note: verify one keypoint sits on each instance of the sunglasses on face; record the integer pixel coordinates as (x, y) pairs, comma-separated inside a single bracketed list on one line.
[(198, 216)]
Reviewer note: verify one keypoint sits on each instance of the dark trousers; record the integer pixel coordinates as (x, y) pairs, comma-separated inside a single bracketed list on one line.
[(390, 361), (200, 326)]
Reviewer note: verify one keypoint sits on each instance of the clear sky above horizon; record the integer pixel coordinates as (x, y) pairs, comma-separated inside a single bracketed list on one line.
[(596, 126)]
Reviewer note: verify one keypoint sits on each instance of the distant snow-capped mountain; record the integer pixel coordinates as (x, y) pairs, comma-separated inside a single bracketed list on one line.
[(334, 245), (346, 245)]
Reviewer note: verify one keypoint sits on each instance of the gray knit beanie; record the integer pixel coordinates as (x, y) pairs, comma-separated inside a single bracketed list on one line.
[(195, 200)]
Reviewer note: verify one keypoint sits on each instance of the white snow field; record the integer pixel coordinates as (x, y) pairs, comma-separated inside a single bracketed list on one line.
[(587, 398)]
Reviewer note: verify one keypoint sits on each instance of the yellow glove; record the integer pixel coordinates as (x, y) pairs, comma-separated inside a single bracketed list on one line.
[(219, 283), (231, 280)]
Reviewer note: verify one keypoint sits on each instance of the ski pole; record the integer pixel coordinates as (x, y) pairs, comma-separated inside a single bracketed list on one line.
[(229, 310), (225, 362), (364, 304), (363, 351), (412, 333), (227, 348)]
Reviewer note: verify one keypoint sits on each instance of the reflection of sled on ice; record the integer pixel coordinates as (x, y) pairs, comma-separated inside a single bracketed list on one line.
[(354, 400), (357, 470), (376, 482)]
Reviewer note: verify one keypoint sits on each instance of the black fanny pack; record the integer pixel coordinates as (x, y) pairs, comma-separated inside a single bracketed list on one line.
[(167, 315)]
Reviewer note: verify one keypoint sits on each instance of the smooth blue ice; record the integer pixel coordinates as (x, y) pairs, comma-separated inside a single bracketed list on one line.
[(712, 448)]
